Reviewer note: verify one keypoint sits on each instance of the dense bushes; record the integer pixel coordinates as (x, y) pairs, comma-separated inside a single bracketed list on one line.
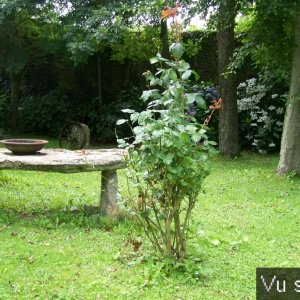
[(48, 113), (261, 113), (261, 108), (4, 113), (44, 114), (102, 122)]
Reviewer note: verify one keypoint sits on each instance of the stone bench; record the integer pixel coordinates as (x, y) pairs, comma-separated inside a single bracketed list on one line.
[(108, 161)]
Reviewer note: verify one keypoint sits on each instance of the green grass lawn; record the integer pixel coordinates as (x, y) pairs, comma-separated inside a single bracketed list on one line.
[(247, 218)]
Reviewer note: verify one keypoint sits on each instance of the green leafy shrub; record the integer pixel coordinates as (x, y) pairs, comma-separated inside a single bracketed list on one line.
[(44, 114), (168, 155)]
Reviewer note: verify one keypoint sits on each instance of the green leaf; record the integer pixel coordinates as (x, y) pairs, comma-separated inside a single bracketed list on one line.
[(134, 117), (184, 137), (177, 50), (153, 81), (200, 102), (157, 133), (173, 74), (121, 143), (171, 64), (153, 60), (121, 121), (186, 75), (196, 75), (176, 91), (181, 127), (196, 137), (183, 66), (190, 128), (191, 98), (159, 71), (215, 242), (146, 95), (169, 158), (128, 111)]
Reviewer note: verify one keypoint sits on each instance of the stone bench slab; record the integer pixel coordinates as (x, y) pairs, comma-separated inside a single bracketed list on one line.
[(64, 161)]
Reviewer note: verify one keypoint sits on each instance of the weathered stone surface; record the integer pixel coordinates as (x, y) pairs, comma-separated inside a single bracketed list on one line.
[(64, 161), (109, 188)]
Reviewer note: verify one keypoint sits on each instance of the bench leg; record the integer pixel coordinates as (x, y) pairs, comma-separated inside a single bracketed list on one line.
[(109, 185)]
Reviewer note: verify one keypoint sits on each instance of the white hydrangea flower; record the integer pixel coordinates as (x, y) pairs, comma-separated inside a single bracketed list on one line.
[(278, 123), (280, 110)]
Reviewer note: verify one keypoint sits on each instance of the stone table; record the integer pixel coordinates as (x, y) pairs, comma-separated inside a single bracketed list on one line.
[(108, 161)]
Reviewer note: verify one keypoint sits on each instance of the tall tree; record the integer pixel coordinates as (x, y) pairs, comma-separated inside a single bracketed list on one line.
[(276, 52), (290, 143), (227, 84), (222, 14)]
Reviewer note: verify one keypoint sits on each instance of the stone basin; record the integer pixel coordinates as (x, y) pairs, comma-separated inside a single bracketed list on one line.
[(23, 146)]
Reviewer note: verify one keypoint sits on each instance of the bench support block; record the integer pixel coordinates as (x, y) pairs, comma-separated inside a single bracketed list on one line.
[(109, 186)]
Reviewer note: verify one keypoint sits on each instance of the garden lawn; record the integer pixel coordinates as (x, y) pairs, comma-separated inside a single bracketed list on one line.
[(247, 218)]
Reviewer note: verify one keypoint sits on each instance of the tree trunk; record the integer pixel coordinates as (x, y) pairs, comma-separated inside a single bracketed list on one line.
[(164, 37), (15, 83), (228, 124), (290, 142), (99, 69)]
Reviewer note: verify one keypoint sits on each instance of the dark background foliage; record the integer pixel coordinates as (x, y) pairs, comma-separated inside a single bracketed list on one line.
[(57, 91)]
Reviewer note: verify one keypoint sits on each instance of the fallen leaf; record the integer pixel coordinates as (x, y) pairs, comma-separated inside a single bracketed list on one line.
[(111, 269), (30, 260)]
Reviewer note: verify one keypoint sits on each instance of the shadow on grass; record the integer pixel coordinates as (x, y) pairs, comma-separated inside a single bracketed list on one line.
[(87, 217)]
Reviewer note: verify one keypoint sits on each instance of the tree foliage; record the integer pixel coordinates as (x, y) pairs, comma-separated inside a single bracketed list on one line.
[(94, 25), (25, 26), (270, 50)]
